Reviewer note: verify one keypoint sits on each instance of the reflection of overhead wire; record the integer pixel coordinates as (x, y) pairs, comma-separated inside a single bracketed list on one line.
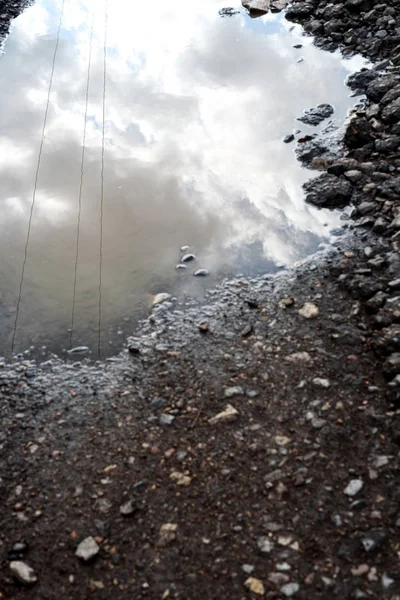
[(102, 174), (37, 175), (81, 181)]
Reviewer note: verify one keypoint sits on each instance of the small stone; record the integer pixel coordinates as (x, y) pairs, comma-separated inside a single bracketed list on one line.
[(278, 578), (324, 383), (249, 569), (354, 487), (373, 540), (166, 419), (21, 547), (381, 461), (180, 478), (93, 584), (394, 284), (134, 348), (270, 478), (360, 570), (387, 581), (201, 273), (283, 566), (372, 474), (318, 423), (159, 298), (167, 534), (188, 258), (79, 350), (255, 586), (87, 549), (157, 402), (181, 267), (247, 331), (353, 175), (23, 572), (288, 301), (288, 138), (309, 311), (285, 540), (103, 505), (184, 248), (282, 440), (233, 391), (265, 544), (299, 357), (373, 574), (227, 415), (128, 509), (290, 589)]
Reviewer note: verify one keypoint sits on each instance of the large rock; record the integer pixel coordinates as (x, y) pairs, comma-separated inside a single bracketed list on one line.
[(312, 148), (379, 86), (391, 95), (390, 189), (328, 191), (278, 5), (299, 11), (359, 5), (391, 113), (257, 8), (358, 133)]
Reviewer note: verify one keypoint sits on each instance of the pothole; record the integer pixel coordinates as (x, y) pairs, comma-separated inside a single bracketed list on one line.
[(111, 161)]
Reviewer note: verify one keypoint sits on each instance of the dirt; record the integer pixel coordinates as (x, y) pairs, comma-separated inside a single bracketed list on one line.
[(293, 493)]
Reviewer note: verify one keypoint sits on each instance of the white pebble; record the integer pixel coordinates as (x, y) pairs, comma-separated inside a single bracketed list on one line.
[(354, 487)]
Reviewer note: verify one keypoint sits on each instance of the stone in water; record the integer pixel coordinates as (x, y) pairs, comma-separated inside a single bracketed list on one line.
[(188, 258), (159, 298)]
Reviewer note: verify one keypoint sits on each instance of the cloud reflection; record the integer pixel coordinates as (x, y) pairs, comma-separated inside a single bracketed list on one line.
[(197, 107)]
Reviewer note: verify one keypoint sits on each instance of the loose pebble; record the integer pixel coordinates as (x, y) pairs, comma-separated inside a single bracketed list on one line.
[(265, 544), (255, 585), (354, 487), (87, 549), (188, 258), (159, 298), (227, 415), (168, 533), (309, 311), (290, 589), (23, 572)]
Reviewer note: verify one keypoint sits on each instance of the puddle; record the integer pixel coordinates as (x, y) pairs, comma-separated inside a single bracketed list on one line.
[(196, 107)]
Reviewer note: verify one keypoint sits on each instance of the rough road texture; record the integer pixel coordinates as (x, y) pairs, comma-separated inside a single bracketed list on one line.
[(244, 448)]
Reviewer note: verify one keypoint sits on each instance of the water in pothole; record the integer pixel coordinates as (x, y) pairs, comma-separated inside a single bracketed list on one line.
[(128, 131)]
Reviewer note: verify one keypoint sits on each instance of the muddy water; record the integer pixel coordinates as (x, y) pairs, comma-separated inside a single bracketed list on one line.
[(128, 131)]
